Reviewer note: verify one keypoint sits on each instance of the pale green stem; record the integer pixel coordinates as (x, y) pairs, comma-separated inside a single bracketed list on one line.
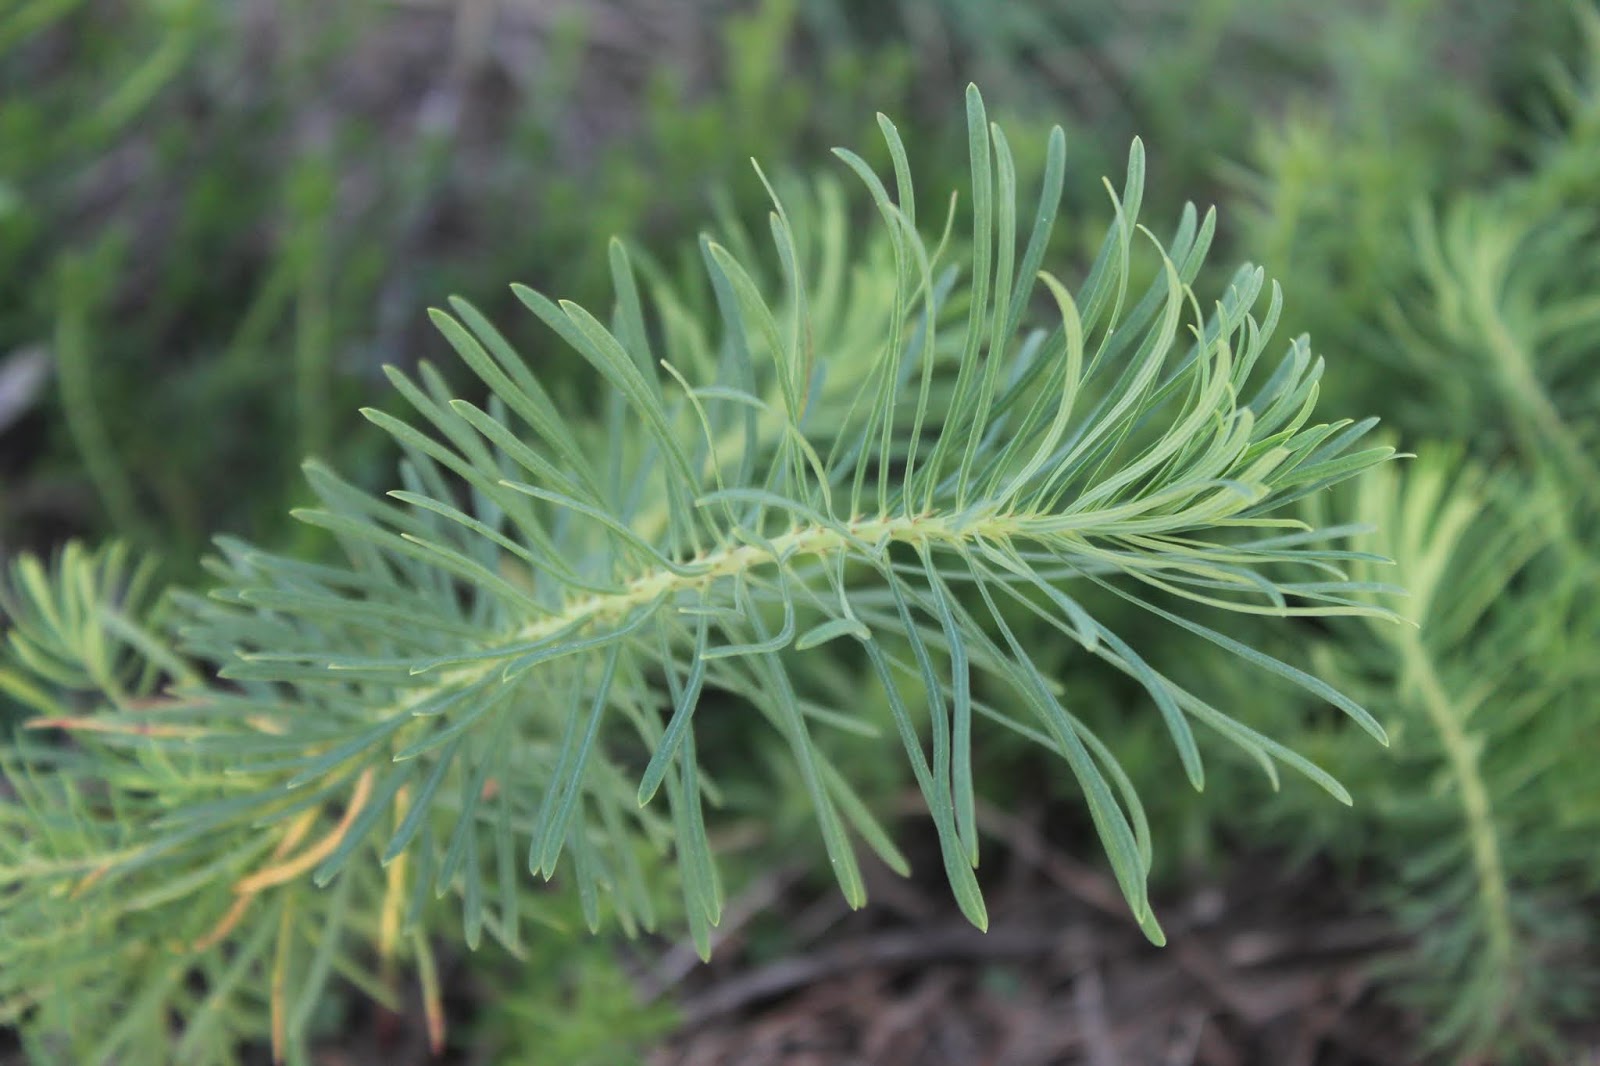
[(1462, 757), (815, 540)]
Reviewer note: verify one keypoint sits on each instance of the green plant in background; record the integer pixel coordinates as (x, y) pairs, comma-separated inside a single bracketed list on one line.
[(861, 455), (1489, 708), (1483, 830), (128, 197), (1328, 184), (1493, 692), (261, 253), (1514, 316), (592, 1018)]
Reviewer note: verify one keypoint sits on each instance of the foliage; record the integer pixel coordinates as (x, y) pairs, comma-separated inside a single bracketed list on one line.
[(1477, 816), (593, 1019), (1481, 832), (133, 177), (179, 204), (860, 452), (231, 227)]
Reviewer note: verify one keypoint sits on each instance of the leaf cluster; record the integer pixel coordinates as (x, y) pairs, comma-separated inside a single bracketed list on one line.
[(887, 452), (1481, 833)]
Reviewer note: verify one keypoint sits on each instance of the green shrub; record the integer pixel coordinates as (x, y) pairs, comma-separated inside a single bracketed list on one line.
[(860, 452), (185, 768)]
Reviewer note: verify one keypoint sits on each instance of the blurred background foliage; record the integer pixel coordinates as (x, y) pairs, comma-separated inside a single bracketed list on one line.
[(218, 221)]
